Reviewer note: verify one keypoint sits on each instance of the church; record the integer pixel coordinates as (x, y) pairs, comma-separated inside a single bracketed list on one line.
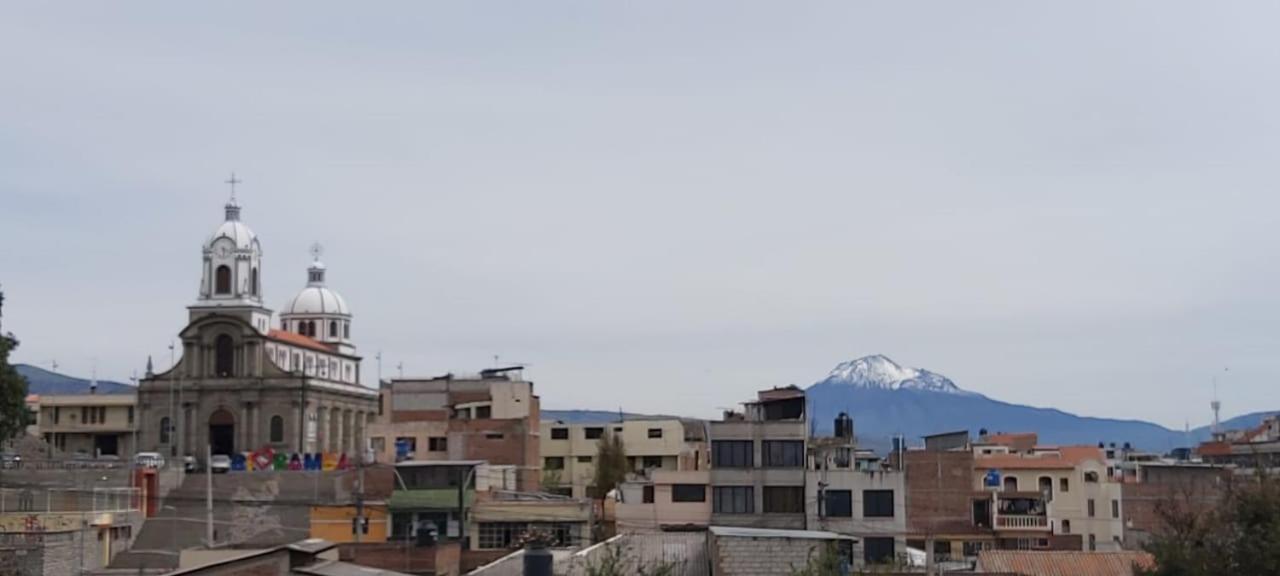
[(244, 382)]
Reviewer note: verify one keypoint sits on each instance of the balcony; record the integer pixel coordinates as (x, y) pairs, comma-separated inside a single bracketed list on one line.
[(1021, 522)]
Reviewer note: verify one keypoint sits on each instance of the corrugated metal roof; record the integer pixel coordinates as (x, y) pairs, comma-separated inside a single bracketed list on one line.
[(1055, 563)]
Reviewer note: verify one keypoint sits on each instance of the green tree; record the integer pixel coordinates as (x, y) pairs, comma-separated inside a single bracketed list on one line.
[(611, 465), (13, 388), (1241, 535)]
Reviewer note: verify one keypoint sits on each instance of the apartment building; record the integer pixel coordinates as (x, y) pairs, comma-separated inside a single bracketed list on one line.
[(664, 499), (1247, 449), (852, 493), (492, 417), (569, 450), (758, 462), (1047, 497), (86, 424)]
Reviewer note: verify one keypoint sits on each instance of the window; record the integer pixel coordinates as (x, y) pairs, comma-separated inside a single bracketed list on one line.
[(1091, 507), (1115, 508), (877, 503), (553, 463), (57, 414), (584, 459), (164, 430), (783, 499), (1066, 526), (333, 328), (1093, 543), (559, 433), (839, 503), (102, 414), (593, 433), (253, 277), (438, 444), (277, 428), (222, 280), (224, 356), (131, 415), (877, 550), (1091, 477), (783, 453), (733, 500), (688, 493), (484, 412), (647, 494), (493, 436), (655, 432), (1010, 484), (651, 462), (409, 443), (346, 330), (732, 454), (1064, 485)]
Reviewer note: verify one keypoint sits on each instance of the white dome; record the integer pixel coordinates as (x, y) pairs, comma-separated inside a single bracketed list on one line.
[(314, 300), (237, 232)]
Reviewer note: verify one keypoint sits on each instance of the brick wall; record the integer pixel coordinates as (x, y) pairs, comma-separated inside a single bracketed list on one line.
[(743, 556), (939, 492)]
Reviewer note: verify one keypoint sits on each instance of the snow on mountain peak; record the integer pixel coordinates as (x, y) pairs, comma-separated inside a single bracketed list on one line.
[(879, 372)]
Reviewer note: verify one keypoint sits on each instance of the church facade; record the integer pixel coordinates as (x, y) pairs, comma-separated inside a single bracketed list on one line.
[(243, 382)]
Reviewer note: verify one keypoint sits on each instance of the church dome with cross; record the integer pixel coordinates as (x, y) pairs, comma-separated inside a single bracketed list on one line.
[(232, 264), (318, 311)]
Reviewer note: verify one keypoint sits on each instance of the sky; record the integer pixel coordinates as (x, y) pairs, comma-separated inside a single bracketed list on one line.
[(665, 206)]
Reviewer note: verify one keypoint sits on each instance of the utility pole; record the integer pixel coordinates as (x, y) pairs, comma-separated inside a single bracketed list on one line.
[(208, 495), (173, 416)]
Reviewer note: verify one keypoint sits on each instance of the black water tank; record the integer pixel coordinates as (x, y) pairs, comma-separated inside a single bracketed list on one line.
[(537, 561), (844, 426)]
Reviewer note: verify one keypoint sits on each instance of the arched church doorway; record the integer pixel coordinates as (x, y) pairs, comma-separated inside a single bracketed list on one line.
[(222, 432)]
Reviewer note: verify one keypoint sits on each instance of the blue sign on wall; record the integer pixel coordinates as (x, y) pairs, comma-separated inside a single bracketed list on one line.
[(992, 479)]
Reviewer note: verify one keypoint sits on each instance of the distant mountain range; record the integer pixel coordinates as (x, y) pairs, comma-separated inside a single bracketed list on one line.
[(886, 399), (41, 381)]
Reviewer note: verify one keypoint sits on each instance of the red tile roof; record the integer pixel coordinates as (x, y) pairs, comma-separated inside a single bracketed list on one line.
[(1007, 439), (298, 340), (1054, 563)]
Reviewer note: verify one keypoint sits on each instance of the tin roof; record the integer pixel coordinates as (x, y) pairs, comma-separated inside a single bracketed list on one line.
[(1056, 563)]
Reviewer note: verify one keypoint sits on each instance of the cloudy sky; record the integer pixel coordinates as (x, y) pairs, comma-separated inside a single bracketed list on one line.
[(664, 206)]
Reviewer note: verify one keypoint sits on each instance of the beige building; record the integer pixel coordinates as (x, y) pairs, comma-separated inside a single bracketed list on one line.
[(89, 424), (758, 462), (1048, 497), (664, 498), (569, 450)]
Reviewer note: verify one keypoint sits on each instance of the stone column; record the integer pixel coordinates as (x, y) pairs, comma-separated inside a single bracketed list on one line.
[(322, 428)]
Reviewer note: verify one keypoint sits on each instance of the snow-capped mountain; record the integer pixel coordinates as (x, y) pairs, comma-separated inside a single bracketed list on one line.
[(880, 373)]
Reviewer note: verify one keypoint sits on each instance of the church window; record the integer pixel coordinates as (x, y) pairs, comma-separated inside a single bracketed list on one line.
[(222, 280), (253, 288), (164, 430), (333, 368), (277, 429), (311, 328), (346, 330), (297, 361), (224, 356), (333, 329)]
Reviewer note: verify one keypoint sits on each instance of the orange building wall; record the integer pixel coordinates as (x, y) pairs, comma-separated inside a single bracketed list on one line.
[(333, 523)]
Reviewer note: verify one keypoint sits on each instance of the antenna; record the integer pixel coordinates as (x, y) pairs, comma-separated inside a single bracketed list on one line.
[(1217, 405)]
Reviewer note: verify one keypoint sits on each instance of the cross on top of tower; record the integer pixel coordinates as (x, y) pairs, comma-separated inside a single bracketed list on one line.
[(233, 181), (316, 251)]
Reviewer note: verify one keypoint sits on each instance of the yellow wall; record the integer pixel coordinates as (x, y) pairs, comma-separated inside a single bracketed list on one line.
[(333, 523)]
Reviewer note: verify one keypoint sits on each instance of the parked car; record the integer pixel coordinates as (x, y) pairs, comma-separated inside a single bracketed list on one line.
[(152, 460), (10, 460), (189, 463), (219, 463)]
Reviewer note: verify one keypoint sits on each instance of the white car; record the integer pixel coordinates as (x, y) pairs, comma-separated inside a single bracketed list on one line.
[(219, 463), (148, 460)]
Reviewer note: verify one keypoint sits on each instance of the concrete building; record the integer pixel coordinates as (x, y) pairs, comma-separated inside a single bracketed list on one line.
[(758, 462), (1045, 497), (857, 497), (88, 424), (241, 383), (491, 417), (1246, 449), (569, 450), (1192, 486), (664, 499)]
